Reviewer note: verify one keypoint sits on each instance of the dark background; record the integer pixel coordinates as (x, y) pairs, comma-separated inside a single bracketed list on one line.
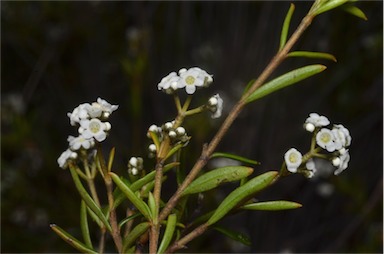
[(56, 55)]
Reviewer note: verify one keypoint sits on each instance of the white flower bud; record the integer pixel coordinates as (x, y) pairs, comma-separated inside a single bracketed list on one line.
[(152, 148), (180, 131), (309, 127), (133, 161), (172, 134)]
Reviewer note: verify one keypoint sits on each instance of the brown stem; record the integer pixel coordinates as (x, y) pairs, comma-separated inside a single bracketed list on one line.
[(206, 153), (186, 239), (112, 215)]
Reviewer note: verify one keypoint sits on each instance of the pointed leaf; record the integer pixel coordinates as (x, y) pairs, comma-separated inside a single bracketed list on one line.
[(272, 205), (238, 237), (355, 11), (71, 240), (87, 198), (168, 234), (287, 22), (152, 205), (329, 5), (309, 54), (250, 83), (240, 194), (137, 202), (214, 178), (285, 80), (133, 216), (84, 225), (235, 157), (134, 234)]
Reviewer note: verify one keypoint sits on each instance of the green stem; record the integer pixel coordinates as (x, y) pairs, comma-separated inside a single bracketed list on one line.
[(195, 110)]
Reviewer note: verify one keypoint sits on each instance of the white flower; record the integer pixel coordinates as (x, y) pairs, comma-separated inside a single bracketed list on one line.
[(65, 157), (343, 161), (80, 141), (94, 128), (106, 106), (293, 159), (315, 120), (342, 136), (169, 83), (192, 78), (78, 114), (215, 105), (325, 139)]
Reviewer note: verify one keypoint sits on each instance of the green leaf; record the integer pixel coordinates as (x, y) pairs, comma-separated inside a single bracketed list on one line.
[(329, 5), (285, 80), (134, 234), (355, 11), (272, 205), (95, 218), (214, 178), (309, 54), (250, 83), (287, 21), (71, 240), (87, 198), (240, 194), (137, 202), (238, 237), (111, 158), (133, 216), (84, 225), (152, 205), (168, 234), (235, 157)]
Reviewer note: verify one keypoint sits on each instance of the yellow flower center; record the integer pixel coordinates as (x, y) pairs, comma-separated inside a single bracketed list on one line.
[(190, 80), (293, 157), (325, 137), (94, 126)]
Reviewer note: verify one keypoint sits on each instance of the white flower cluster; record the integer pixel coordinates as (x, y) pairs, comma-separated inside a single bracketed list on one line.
[(135, 165), (189, 79), (335, 141), (177, 135), (93, 127)]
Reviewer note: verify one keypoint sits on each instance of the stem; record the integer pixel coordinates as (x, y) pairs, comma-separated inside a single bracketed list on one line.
[(208, 150), (186, 239), (112, 215), (91, 182)]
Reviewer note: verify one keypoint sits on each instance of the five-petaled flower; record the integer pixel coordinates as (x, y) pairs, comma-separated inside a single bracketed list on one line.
[(293, 159)]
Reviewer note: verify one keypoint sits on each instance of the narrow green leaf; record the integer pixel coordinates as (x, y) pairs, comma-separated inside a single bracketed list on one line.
[(155, 140), (329, 5), (218, 176), (250, 83), (309, 54), (111, 158), (272, 205), (285, 80), (287, 22), (168, 234), (95, 218), (238, 237), (87, 198), (71, 240), (133, 216), (355, 11), (174, 150), (149, 187), (235, 157), (137, 202), (152, 205), (240, 194), (84, 225), (134, 234)]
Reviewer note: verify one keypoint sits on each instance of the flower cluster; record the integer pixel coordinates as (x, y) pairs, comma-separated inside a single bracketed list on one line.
[(177, 135), (189, 79), (91, 120), (334, 141), (135, 165)]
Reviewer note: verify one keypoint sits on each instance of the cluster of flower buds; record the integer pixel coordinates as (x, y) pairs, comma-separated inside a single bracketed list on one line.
[(335, 142), (135, 165), (91, 120), (177, 135), (215, 105), (189, 79)]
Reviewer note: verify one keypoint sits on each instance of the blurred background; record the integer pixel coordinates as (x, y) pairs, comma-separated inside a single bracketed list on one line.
[(56, 55)]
